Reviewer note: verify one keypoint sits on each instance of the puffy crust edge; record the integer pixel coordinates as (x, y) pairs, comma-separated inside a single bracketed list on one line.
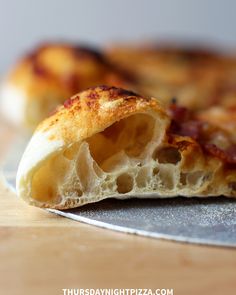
[(92, 111)]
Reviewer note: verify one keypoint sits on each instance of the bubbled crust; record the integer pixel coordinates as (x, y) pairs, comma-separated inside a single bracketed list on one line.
[(95, 109)]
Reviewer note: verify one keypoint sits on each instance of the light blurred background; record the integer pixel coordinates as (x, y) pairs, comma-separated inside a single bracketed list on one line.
[(25, 23)]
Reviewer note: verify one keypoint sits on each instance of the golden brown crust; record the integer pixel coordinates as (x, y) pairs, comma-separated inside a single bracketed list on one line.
[(98, 107)]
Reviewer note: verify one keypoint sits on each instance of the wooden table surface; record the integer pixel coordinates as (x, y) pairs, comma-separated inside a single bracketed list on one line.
[(41, 253)]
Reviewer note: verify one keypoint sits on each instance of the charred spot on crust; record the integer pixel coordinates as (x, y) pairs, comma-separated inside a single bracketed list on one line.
[(93, 95), (70, 101), (113, 91), (121, 92), (116, 92), (101, 88), (92, 103)]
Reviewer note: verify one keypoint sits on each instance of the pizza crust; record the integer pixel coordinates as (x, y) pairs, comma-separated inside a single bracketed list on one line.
[(108, 142), (46, 77)]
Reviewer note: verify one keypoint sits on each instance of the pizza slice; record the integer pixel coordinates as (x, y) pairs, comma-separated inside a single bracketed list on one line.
[(107, 142)]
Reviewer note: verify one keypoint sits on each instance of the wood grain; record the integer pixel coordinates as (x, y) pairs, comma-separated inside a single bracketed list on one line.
[(41, 253)]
